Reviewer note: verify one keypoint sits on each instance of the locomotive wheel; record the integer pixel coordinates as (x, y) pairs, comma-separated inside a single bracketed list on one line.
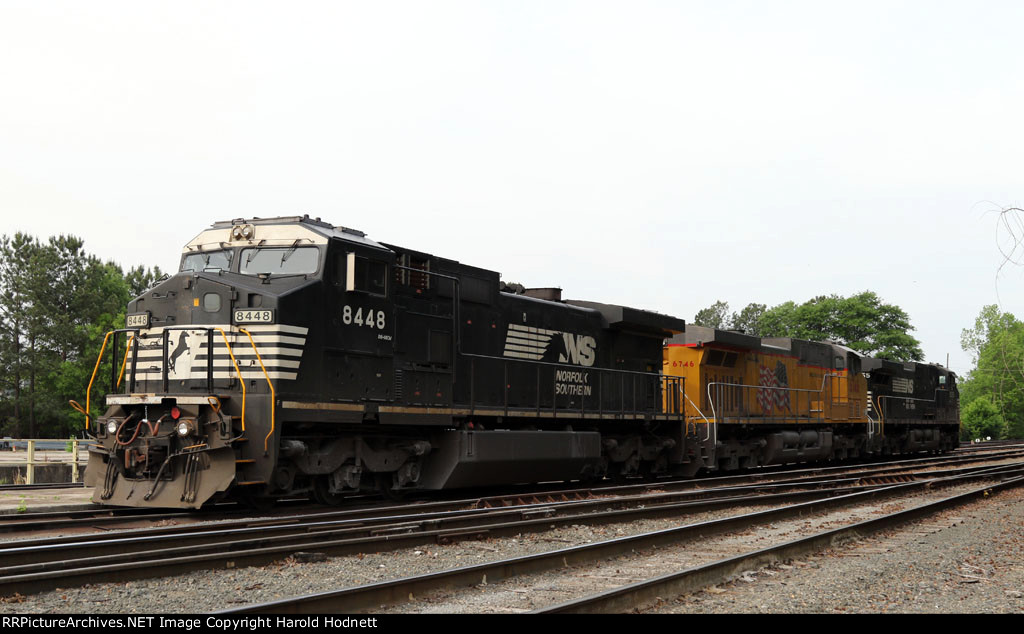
[(384, 483), (322, 495)]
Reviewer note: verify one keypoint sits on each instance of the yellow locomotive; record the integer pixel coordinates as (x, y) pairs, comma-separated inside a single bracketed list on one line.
[(778, 400)]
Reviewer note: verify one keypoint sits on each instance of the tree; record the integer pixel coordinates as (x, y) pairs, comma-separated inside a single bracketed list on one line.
[(140, 279), (714, 316), (990, 322), (982, 419), (862, 322), (749, 319), (717, 316), (56, 304), (997, 341), (17, 257)]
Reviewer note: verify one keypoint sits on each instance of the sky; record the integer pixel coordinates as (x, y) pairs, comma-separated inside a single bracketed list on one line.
[(661, 155)]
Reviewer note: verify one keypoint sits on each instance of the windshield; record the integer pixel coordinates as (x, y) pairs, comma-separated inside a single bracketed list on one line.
[(210, 260), (280, 260)]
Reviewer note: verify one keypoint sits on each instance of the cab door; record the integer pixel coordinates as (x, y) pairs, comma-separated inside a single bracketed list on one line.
[(360, 337), (211, 305)]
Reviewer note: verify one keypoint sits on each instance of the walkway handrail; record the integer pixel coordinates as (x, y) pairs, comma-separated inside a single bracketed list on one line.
[(124, 362), (88, 390), (273, 396), (881, 414), (697, 409), (241, 379), (821, 390)]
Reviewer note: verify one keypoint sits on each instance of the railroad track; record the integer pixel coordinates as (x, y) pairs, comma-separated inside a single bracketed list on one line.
[(629, 597), (41, 487), (625, 568), (109, 517), (36, 565)]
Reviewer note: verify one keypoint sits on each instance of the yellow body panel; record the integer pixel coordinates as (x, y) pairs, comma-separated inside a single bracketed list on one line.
[(731, 385)]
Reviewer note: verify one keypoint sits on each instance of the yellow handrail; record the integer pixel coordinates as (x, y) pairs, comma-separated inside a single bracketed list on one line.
[(241, 379), (124, 361), (88, 390), (881, 417), (273, 395)]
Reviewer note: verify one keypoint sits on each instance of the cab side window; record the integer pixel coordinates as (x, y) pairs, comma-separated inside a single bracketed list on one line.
[(368, 275)]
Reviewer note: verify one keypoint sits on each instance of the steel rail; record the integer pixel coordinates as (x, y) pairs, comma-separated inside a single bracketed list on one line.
[(106, 515), (71, 519), (38, 568), (376, 595), (35, 487), (627, 598), (64, 549), (385, 541)]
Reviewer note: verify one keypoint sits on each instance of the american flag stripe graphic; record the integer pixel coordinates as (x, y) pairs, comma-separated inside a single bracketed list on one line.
[(770, 397)]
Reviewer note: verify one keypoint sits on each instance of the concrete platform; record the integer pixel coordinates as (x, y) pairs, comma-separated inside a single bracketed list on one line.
[(46, 501)]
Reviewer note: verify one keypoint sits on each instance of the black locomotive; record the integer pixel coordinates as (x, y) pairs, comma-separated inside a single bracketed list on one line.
[(289, 355), (292, 356)]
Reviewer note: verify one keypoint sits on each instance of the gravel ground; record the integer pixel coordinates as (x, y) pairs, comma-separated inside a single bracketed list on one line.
[(529, 592), (965, 560), (207, 591), (975, 564)]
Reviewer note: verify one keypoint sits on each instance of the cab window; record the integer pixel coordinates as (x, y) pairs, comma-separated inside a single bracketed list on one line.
[(279, 260), (207, 261), (368, 276)]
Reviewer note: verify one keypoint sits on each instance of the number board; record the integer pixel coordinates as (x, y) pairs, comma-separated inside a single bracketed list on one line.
[(253, 316), (137, 320)]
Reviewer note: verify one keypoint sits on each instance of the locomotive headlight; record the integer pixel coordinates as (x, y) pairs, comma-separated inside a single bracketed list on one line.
[(184, 428), (111, 426), (242, 232)]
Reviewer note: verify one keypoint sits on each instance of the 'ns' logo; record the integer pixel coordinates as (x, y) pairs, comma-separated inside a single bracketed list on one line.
[(579, 349), (549, 346)]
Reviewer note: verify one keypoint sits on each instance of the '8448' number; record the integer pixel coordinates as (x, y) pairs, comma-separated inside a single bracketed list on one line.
[(370, 318)]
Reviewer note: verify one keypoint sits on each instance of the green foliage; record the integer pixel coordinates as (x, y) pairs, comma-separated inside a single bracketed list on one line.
[(862, 322), (997, 343), (982, 419), (140, 279), (56, 304), (749, 319), (717, 316), (714, 316)]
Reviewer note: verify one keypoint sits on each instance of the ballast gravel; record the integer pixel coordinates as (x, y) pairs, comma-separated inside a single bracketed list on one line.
[(965, 560), (970, 559)]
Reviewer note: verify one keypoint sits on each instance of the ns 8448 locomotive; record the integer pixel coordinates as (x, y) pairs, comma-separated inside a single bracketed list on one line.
[(290, 356)]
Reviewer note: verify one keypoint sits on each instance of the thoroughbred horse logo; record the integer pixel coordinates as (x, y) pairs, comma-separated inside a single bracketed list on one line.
[(180, 351), (555, 351)]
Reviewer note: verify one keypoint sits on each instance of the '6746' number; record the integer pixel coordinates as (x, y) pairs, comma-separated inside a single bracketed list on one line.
[(371, 318)]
